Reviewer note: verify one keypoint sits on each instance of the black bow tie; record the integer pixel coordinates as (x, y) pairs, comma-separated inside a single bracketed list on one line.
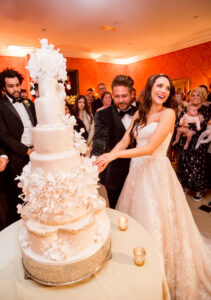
[(129, 112), (17, 100)]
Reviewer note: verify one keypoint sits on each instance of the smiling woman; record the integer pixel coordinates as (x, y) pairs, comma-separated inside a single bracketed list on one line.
[(192, 162)]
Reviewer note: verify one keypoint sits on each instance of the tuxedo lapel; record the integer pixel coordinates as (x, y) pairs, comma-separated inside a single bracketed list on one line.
[(11, 107), (120, 129), (27, 107)]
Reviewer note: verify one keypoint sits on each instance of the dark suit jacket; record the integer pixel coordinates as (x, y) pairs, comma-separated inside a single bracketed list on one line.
[(97, 103), (11, 130), (109, 130)]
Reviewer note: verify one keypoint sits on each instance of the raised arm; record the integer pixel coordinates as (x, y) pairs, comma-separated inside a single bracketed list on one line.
[(165, 126)]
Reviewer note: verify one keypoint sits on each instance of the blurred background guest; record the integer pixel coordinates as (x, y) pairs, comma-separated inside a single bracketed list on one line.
[(140, 97), (91, 92), (205, 93), (81, 110), (107, 100), (205, 90), (133, 97), (192, 162), (179, 97), (79, 124), (101, 88), (23, 94), (89, 99)]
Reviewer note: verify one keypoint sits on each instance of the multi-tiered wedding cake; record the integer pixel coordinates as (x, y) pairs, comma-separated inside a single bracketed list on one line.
[(66, 232)]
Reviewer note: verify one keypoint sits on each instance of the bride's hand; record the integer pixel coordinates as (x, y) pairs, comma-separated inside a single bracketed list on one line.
[(103, 160)]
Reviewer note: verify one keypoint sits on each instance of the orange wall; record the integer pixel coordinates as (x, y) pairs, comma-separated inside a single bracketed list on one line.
[(17, 63), (193, 63), (91, 72)]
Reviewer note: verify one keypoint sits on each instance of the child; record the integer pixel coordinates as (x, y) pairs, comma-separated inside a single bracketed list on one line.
[(190, 117)]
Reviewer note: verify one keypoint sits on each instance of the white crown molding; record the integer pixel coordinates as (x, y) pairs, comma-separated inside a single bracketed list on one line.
[(157, 52), (121, 61)]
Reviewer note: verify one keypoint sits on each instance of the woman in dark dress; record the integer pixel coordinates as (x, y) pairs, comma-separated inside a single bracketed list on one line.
[(192, 163), (79, 124)]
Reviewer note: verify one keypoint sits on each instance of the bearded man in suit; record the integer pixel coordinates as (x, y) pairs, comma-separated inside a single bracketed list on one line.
[(110, 126), (97, 103), (17, 119)]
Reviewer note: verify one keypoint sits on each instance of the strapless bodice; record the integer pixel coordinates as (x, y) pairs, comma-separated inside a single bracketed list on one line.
[(145, 133)]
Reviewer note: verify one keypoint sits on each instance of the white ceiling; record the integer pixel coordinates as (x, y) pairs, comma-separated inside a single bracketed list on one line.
[(144, 28)]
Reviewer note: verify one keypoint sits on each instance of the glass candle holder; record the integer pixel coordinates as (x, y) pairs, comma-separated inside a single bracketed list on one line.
[(123, 223), (139, 256)]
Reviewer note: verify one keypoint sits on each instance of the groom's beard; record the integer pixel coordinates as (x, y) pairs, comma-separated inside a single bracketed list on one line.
[(15, 96)]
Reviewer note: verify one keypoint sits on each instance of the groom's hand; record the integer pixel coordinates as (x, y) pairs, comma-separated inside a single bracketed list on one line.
[(103, 160)]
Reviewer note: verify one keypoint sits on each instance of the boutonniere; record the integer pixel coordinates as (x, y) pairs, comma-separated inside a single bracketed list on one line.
[(27, 103)]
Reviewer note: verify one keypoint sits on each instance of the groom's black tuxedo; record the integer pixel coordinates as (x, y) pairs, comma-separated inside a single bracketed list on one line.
[(11, 130), (109, 130)]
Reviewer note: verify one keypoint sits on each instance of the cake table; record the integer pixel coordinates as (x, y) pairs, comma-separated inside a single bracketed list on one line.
[(119, 279)]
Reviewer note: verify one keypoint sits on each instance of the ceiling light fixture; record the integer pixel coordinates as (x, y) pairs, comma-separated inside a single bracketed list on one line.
[(110, 28), (95, 55), (18, 50)]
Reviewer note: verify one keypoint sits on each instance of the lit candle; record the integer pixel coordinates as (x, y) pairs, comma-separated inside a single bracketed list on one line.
[(139, 256), (123, 223)]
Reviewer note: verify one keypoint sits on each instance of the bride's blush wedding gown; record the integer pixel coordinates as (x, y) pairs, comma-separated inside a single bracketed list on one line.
[(154, 197)]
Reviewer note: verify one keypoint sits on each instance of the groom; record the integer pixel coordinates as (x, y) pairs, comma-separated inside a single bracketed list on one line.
[(110, 126)]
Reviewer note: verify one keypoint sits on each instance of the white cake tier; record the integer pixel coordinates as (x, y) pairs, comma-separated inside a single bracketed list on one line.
[(60, 162), (50, 111), (71, 242), (52, 140)]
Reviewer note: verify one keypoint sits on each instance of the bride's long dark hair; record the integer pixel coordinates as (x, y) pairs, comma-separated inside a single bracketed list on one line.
[(146, 104)]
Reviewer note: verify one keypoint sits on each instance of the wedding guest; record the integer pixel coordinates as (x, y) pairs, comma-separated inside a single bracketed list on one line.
[(23, 94), (191, 117), (205, 93), (90, 91), (154, 197), (101, 87), (16, 122), (82, 111), (179, 97), (79, 124), (110, 126), (89, 99), (205, 137), (192, 164), (205, 90), (133, 97), (107, 100)]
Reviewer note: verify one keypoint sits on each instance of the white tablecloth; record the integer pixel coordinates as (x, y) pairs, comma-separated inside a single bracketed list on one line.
[(119, 279)]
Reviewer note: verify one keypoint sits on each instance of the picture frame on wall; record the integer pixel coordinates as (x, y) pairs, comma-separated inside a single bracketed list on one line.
[(72, 83), (184, 84)]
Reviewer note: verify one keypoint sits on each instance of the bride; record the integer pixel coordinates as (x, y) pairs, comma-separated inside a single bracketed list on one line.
[(154, 197)]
